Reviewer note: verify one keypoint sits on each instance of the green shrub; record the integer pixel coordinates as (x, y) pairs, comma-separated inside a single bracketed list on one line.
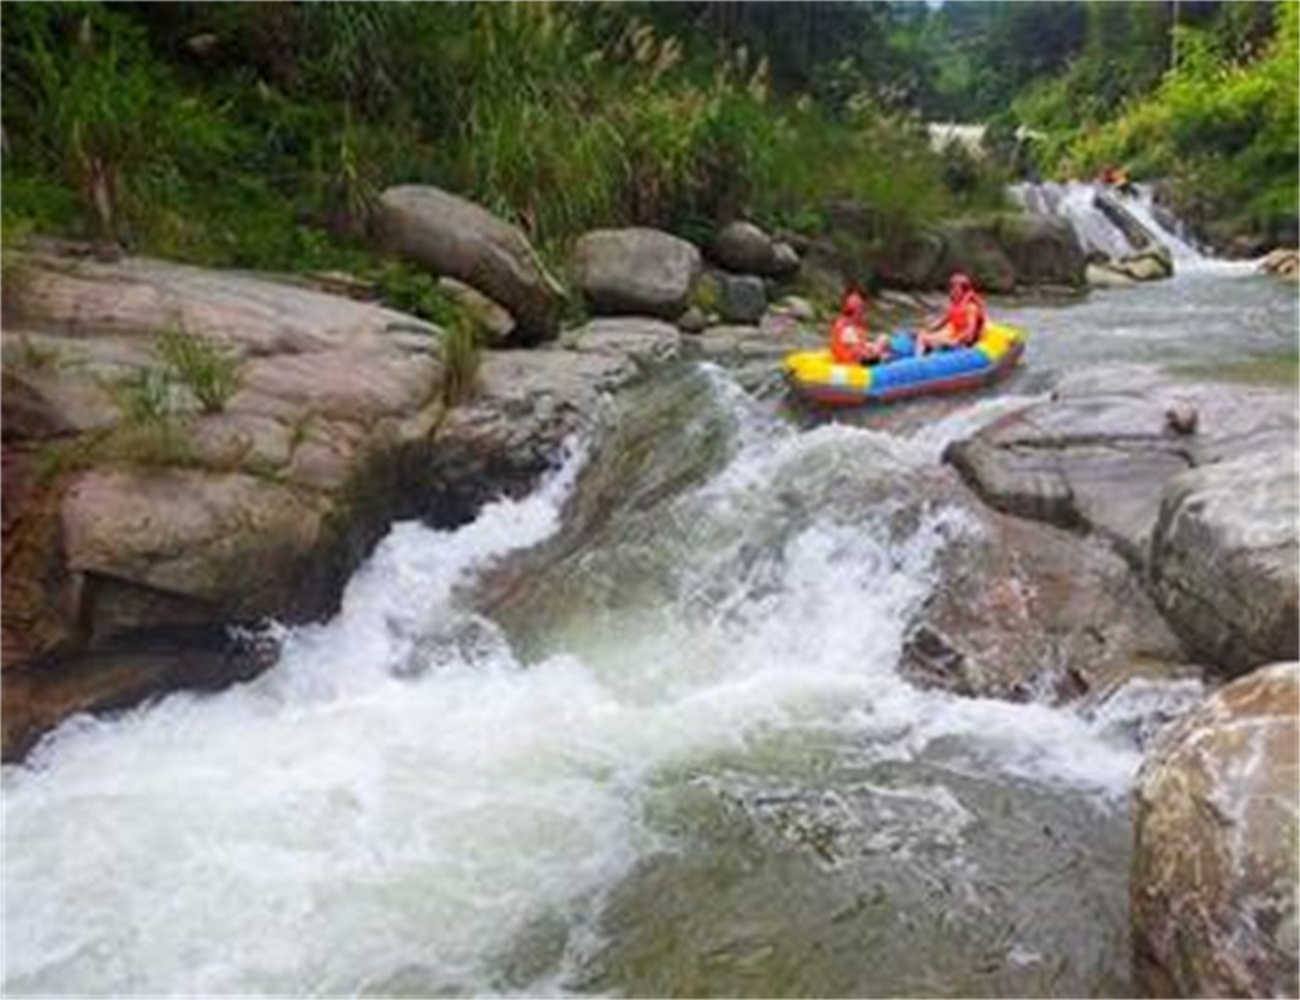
[(201, 365), (145, 396), (411, 290)]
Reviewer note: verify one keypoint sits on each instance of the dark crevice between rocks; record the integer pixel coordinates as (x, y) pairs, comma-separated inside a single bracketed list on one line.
[(130, 670)]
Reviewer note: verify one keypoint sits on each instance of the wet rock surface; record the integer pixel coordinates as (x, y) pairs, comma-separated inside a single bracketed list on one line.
[(123, 538), (1103, 457), (1215, 867), (1028, 612)]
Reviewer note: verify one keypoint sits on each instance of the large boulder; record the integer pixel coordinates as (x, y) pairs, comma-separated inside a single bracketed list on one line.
[(744, 248), (1042, 249), (1224, 559), (1149, 264), (1097, 455), (1030, 612), (123, 533), (974, 246), (179, 546), (640, 272), (1215, 864), (1192, 483), (1284, 263), (451, 236)]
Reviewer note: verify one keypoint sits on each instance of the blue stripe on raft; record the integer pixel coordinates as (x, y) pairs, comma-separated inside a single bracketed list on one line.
[(936, 367)]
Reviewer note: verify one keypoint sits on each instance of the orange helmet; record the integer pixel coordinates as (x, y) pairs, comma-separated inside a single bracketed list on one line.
[(853, 304)]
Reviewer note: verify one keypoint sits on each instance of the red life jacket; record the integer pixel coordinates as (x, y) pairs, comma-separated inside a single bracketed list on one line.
[(848, 340), (966, 317)]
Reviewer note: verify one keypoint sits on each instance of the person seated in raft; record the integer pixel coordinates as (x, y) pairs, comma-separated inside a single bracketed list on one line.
[(851, 344), (961, 325)]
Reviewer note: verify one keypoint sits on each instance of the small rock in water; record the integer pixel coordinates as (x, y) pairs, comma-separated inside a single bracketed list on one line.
[(1182, 418)]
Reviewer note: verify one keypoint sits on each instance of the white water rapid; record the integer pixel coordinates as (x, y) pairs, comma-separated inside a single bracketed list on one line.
[(412, 803)]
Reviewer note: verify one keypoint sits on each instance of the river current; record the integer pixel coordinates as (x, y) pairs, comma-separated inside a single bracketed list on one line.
[(639, 733)]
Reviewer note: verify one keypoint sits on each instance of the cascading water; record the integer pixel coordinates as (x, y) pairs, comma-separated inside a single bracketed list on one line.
[(1073, 200), (1142, 207), (639, 733), (1076, 201)]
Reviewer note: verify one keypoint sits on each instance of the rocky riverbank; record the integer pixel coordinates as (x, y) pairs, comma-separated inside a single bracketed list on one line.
[(186, 451)]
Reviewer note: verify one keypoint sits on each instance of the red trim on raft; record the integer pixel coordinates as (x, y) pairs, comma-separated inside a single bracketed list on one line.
[(842, 396)]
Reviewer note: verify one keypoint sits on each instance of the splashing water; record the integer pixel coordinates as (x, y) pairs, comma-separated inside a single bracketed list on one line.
[(419, 799)]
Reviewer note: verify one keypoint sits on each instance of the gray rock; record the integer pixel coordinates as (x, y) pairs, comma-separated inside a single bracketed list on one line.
[(1043, 250), (645, 341), (494, 320), (742, 298), (693, 320), (1107, 276), (1215, 542), (227, 546), (204, 520), (743, 248), (785, 260), (797, 307), (1215, 866), (1224, 559), (1030, 612), (974, 247), (1147, 265), (635, 272), (451, 236)]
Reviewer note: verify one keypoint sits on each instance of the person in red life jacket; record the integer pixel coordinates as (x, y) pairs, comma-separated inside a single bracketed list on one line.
[(962, 324), (851, 344)]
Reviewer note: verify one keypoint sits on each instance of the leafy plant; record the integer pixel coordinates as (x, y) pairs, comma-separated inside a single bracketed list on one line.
[(208, 371), (411, 290), (145, 397)]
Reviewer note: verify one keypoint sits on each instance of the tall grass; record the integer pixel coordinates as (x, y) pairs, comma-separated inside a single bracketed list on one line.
[(561, 117)]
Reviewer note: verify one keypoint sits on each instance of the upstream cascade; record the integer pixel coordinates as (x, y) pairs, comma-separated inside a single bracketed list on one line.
[(638, 733)]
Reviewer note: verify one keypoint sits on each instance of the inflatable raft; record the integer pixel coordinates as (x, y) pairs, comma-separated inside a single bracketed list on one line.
[(814, 375)]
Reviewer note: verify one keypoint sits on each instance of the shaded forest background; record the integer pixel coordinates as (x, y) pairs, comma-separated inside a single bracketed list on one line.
[(258, 134)]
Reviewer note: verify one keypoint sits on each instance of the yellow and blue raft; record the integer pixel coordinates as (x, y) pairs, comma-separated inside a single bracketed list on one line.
[(813, 374)]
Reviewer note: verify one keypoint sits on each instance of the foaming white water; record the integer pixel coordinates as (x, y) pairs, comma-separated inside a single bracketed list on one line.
[(1074, 201), (1142, 208), (401, 798)]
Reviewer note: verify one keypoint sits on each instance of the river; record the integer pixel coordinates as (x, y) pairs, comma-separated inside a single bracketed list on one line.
[(639, 733)]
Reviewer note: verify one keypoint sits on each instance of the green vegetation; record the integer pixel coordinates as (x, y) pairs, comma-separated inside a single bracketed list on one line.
[(461, 355), (259, 135), (202, 366), (145, 397), (1222, 127), (1206, 103)]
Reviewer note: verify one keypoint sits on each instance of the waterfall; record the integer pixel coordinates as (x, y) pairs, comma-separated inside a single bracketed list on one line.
[(1097, 232), (1142, 207)]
